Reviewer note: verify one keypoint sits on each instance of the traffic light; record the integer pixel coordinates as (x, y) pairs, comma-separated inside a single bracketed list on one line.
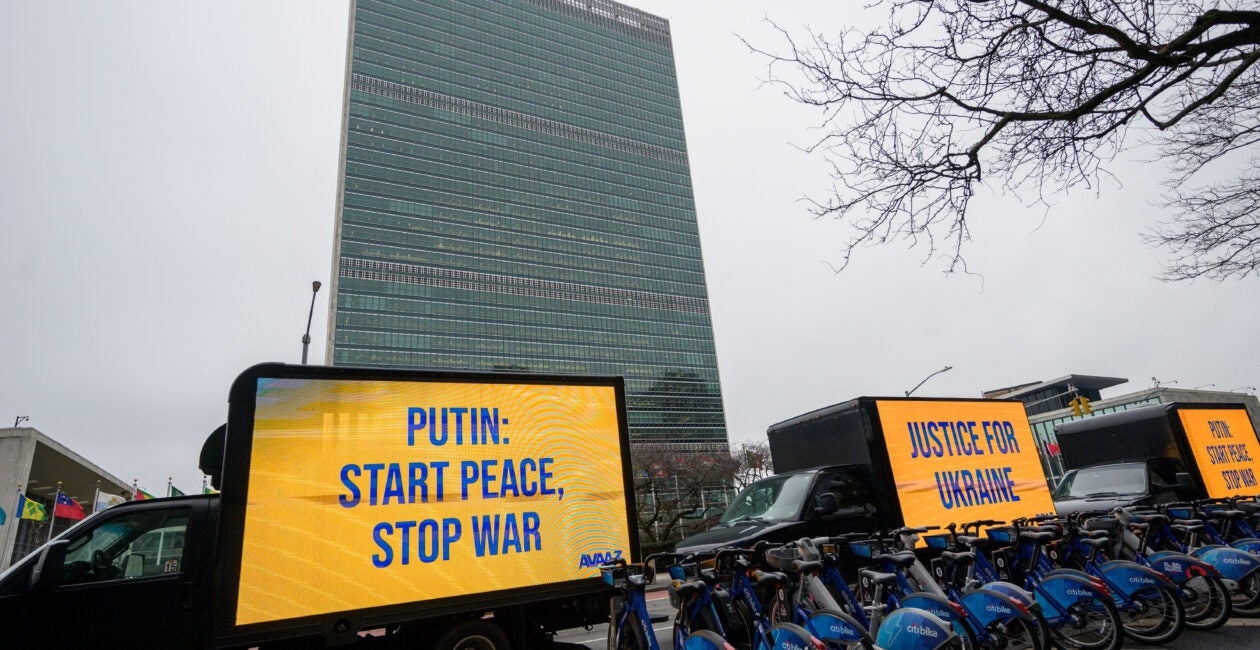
[(1085, 405), (1076, 406), (1080, 406)]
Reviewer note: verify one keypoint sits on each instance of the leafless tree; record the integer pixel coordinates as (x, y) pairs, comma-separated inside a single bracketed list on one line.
[(676, 491), (754, 463), (1038, 96)]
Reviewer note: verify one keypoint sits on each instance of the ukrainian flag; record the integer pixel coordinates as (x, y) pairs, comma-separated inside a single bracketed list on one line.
[(31, 509)]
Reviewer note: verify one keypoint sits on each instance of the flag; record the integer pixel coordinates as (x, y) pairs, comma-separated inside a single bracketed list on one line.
[(141, 495), (2, 516), (209, 490), (68, 508), (105, 500), (175, 492), (31, 509)]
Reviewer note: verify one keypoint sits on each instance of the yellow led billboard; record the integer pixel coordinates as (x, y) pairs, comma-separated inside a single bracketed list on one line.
[(1225, 450), (963, 461), (371, 493)]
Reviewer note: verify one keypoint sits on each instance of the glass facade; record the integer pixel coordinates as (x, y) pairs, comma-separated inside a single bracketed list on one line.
[(516, 196)]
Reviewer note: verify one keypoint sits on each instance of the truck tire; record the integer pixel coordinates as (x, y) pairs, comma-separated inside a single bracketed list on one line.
[(475, 634)]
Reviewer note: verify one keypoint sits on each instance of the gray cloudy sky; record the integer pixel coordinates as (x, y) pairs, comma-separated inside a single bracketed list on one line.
[(167, 188)]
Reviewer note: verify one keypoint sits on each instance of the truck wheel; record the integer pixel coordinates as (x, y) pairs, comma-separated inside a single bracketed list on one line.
[(478, 634)]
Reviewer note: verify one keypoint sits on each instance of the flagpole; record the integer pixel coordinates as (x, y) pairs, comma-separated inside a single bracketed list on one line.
[(52, 516), (134, 489), (168, 485)]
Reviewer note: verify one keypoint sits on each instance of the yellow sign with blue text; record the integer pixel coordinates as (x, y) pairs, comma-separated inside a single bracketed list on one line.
[(960, 461), (372, 493), (1225, 450)]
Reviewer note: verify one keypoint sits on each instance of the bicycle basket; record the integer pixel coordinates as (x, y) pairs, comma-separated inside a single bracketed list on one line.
[(940, 542), (615, 576), (1102, 523), (1003, 535), (1181, 513), (781, 558), (865, 550)]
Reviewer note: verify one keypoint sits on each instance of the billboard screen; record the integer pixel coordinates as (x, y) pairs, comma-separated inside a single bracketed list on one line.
[(366, 493), (1225, 449), (959, 461)]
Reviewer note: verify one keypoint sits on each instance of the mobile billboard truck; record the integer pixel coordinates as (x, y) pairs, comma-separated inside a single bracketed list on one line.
[(407, 509), (888, 462), (1163, 454)]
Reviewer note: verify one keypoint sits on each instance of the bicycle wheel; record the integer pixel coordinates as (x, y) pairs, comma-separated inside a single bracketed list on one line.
[(705, 619), (1156, 616), (1093, 624), (629, 636), (1014, 634), (1206, 601), (1246, 600)]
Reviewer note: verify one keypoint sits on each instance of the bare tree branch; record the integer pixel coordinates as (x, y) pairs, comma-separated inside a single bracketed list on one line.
[(1039, 96)]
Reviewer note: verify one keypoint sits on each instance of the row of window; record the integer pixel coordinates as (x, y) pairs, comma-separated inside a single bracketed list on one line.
[(522, 31), (627, 106), (422, 233), (468, 256), (515, 331), (360, 175), (351, 299), (433, 167), (573, 128), (351, 354), (483, 288), (614, 16), (510, 280), (442, 137), (667, 281), (407, 215)]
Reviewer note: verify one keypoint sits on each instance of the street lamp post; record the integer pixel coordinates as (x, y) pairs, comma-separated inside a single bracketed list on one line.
[(306, 338), (916, 387)]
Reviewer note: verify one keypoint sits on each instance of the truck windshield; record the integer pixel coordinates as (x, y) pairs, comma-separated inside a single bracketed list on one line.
[(778, 497), (1110, 480)]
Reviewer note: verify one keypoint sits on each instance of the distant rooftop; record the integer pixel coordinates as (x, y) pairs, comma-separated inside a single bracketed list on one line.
[(1092, 383)]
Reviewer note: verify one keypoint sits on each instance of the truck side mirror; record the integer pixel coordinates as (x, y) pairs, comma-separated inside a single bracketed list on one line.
[(1184, 487), (48, 568)]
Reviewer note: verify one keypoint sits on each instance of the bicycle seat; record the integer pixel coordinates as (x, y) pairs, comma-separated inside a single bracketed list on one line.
[(877, 577), (1154, 520), (1091, 534), (807, 566), (686, 588), (965, 557), (1232, 514), (1248, 506), (1188, 528), (1036, 537), (1188, 522), (1096, 542), (972, 541), (899, 560), (770, 578)]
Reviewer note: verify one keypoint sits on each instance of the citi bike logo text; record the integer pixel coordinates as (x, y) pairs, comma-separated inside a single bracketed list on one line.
[(997, 609), (596, 559), (1077, 592), (922, 630)]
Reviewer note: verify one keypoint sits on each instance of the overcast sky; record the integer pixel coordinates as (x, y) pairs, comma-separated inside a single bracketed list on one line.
[(167, 192)]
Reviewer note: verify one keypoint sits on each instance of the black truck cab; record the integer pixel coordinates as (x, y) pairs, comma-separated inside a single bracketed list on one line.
[(103, 581), (805, 503)]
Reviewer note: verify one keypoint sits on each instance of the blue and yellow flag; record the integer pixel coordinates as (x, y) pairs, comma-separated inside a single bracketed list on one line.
[(31, 509)]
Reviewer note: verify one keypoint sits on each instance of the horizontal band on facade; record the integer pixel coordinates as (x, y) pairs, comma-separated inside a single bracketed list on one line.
[(494, 283), (422, 97)]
